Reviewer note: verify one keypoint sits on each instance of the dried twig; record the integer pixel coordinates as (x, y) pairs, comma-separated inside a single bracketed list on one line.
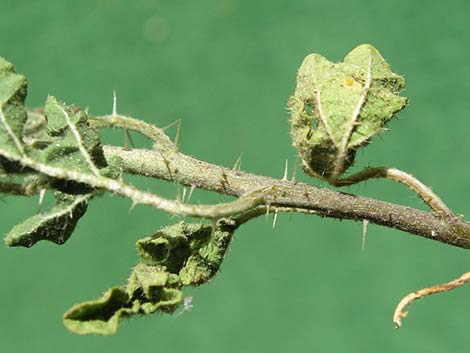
[(400, 310)]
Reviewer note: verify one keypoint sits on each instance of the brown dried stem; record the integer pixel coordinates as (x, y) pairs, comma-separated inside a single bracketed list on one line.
[(407, 300)]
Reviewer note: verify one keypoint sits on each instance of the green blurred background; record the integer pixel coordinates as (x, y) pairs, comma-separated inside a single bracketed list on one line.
[(226, 68)]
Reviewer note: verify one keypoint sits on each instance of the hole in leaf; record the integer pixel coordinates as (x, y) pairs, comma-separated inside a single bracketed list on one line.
[(310, 110)]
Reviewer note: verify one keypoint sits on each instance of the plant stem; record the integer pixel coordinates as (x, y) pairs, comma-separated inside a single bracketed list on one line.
[(181, 169)]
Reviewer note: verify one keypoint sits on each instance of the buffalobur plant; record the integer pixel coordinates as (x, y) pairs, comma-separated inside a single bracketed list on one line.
[(336, 109)]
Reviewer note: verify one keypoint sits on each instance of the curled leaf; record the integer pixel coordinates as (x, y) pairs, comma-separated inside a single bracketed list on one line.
[(194, 251), (100, 316), (150, 289), (338, 108), (175, 256)]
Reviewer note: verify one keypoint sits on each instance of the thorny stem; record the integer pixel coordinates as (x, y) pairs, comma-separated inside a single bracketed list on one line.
[(407, 300), (162, 142), (262, 210), (256, 193), (181, 169), (251, 199), (151, 132)]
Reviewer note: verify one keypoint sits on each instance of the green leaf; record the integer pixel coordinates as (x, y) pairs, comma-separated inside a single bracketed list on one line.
[(338, 108), (150, 289), (60, 138), (56, 225), (75, 145), (101, 316), (194, 251), (12, 112), (175, 256)]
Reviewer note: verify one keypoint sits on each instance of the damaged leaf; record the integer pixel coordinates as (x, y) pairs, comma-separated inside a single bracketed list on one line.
[(194, 251), (58, 137), (175, 256), (75, 145), (338, 107), (56, 225), (149, 289)]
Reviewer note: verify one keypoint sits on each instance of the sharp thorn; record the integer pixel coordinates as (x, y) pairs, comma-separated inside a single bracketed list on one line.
[(166, 127), (178, 129), (284, 177), (114, 103), (128, 140), (365, 222), (134, 203), (184, 194), (42, 194), (267, 211), (177, 137), (275, 218), (166, 162), (193, 186), (238, 162), (294, 172)]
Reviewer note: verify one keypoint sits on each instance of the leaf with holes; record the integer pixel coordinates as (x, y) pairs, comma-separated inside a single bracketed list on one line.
[(338, 108)]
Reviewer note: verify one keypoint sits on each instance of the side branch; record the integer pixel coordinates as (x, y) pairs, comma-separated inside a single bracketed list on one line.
[(426, 194), (185, 170)]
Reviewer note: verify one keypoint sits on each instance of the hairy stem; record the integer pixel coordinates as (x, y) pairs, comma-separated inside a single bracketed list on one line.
[(414, 184), (181, 169), (153, 133), (245, 202)]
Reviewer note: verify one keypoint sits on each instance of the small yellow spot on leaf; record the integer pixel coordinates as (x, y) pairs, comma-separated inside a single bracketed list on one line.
[(349, 81)]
